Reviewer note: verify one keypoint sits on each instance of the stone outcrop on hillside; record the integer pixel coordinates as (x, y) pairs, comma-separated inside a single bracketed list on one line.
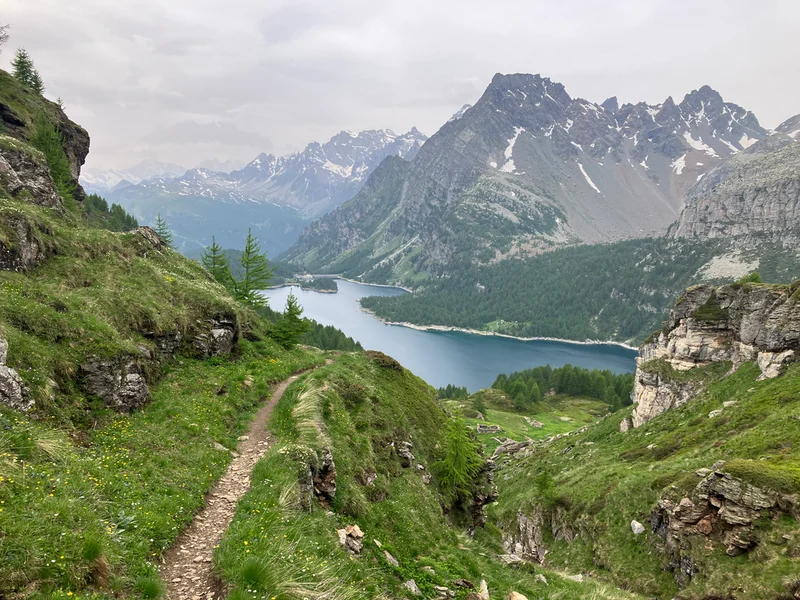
[(732, 323), (12, 391), (24, 174), (722, 508), (119, 381)]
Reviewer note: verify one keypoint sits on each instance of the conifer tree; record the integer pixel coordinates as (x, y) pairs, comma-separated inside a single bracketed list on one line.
[(163, 231), (256, 273), (25, 72), (291, 327), (216, 262), (3, 35)]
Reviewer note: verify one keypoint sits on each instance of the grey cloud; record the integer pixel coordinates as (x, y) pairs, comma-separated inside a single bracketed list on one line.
[(281, 73), (191, 132)]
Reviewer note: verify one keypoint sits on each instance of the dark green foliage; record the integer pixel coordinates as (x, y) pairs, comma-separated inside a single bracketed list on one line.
[(753, 277), (25, 72), (453, 391), (328, 337), (324, 284), (525, 387), (291, 327), (163, 231), (461, 463), (49, 141), (383, 360), (615, 291), (479, 405), (116, 218), (216, 262), (256, 273)]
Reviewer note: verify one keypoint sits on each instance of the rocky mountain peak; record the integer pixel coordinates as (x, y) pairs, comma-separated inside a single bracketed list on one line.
[(610, 104), (790, 127)]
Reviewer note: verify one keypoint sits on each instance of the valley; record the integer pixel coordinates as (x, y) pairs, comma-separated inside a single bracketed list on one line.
[(551, 352)]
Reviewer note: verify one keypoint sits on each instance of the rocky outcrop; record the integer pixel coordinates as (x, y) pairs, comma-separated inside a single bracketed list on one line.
[(733, 323), (12, 391), (23, 247), (119, 381), (755, 192), (216, 336), (721, 508), (24, 174), (527, 541)]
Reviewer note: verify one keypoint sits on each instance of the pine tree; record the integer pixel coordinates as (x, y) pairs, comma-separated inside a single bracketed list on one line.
[(256, 273), (25, 72), (460, 464), (3, 35), (216, 262), (163, 231), (291, 327), (36, 83)]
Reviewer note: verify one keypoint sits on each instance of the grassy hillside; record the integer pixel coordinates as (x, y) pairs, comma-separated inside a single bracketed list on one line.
[(356, 408), (604, 479)]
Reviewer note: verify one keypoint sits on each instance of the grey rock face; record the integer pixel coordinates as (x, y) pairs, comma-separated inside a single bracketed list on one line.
[(12, 391), (25, 249), (548, 168), (216, 336), (722, 508), (24, 174), (755, 192), (120, 382), (736, 323)]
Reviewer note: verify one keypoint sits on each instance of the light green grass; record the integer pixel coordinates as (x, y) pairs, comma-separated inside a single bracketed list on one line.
[(114, 498)]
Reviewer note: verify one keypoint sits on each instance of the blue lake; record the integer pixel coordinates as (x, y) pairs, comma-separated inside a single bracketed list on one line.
[(440, 358)]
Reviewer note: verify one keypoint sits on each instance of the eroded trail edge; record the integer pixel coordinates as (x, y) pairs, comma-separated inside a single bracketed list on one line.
[(188, 564)]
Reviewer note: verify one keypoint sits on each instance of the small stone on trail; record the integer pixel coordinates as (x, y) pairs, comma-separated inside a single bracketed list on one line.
[(637, 527), (244, 438)]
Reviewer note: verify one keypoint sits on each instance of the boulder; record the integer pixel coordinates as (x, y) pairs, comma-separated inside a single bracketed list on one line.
[(323, 475), (404, 452), (23, 249), (637, 527), (119, 381), (412, 587), (390, 559), (352, 538)]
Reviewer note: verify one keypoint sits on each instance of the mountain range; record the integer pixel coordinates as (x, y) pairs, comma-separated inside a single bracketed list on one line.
[(275, 196), (527, 169)]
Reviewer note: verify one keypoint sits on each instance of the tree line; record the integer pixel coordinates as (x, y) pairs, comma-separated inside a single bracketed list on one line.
[(529, 386)]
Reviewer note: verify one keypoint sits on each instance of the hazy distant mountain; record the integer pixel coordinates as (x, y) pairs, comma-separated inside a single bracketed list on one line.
[(526, 169), (100, 181), (323, 176), (222, 166), (276, 196)]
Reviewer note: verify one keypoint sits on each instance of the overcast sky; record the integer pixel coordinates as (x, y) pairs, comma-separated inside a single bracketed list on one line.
[(187, 80)]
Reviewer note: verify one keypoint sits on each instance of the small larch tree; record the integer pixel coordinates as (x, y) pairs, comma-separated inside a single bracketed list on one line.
[(216, 262), (291, 327), (256, 273), (25, 72), (460, 464), (163, 231)]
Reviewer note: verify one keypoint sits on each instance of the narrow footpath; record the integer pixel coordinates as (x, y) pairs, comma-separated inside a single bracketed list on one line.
[(188, 564)]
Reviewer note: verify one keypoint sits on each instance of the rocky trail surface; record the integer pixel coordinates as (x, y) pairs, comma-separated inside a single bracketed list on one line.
[(188, 566)]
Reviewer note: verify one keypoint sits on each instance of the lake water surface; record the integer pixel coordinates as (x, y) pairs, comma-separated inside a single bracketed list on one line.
[(440, 358)]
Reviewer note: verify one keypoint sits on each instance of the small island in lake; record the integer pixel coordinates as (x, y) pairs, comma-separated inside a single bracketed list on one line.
[(325, 285)]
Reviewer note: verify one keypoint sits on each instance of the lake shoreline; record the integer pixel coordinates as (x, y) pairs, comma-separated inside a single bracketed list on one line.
[(297, 285), (446, 328)]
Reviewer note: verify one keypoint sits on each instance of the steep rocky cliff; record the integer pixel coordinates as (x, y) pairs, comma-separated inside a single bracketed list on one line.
[(709, 326), (755, 192)]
